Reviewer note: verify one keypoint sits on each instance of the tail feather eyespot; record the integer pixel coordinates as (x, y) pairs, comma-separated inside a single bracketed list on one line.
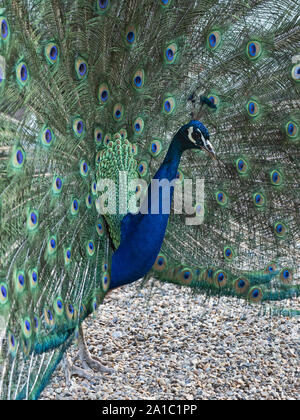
[(102, 6), (254, 50), (78, 128), (4, 29), (242, 286), (22, 73), (4, 297), (160, 263), (81, 68), (103, 94), (52, 53), (253, 109), (296, 73), (221, 278), (292, 130), (138, 80), (118, 112), (165, 3), (255, 295), (214, 40), (32, 220), (169, 105), (171, 53), (130, 35), (286, 276)]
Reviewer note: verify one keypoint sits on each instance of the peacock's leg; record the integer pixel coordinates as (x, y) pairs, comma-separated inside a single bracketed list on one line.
[(87, 360), (72, 370), (90, 365)]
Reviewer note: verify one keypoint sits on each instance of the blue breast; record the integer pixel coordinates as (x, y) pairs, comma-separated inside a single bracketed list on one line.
[(142, 235)]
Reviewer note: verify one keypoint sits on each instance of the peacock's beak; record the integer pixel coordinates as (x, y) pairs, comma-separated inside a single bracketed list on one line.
[(208, 148), (212, 154)]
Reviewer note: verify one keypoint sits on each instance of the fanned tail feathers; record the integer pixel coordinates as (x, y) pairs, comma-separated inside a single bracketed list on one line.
[(86, 85), (251, 202)]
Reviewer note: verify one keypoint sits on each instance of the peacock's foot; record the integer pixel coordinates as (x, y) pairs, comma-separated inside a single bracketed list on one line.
[(89, 362), (92, 367), (72, 370)]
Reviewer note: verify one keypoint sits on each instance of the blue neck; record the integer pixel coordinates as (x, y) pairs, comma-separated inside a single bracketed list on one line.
[(142, 235), (169, 167)]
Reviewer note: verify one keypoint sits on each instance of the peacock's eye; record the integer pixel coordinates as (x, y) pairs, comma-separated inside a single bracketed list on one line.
[(208, 146), (197, 136)]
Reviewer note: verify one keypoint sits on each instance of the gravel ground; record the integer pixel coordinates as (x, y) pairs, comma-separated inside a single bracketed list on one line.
[(165, 343)]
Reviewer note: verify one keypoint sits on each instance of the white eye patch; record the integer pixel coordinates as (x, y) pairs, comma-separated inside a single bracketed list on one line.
[(191, 138), (190, 132), (208, 145)]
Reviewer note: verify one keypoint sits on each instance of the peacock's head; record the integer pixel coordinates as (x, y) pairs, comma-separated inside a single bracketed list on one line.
[(196, 136)]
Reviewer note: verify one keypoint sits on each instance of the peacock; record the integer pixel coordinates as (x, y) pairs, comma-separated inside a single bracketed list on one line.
[(141, 139)]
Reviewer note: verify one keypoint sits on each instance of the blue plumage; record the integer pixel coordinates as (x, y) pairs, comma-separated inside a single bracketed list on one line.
[(148, 230)]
